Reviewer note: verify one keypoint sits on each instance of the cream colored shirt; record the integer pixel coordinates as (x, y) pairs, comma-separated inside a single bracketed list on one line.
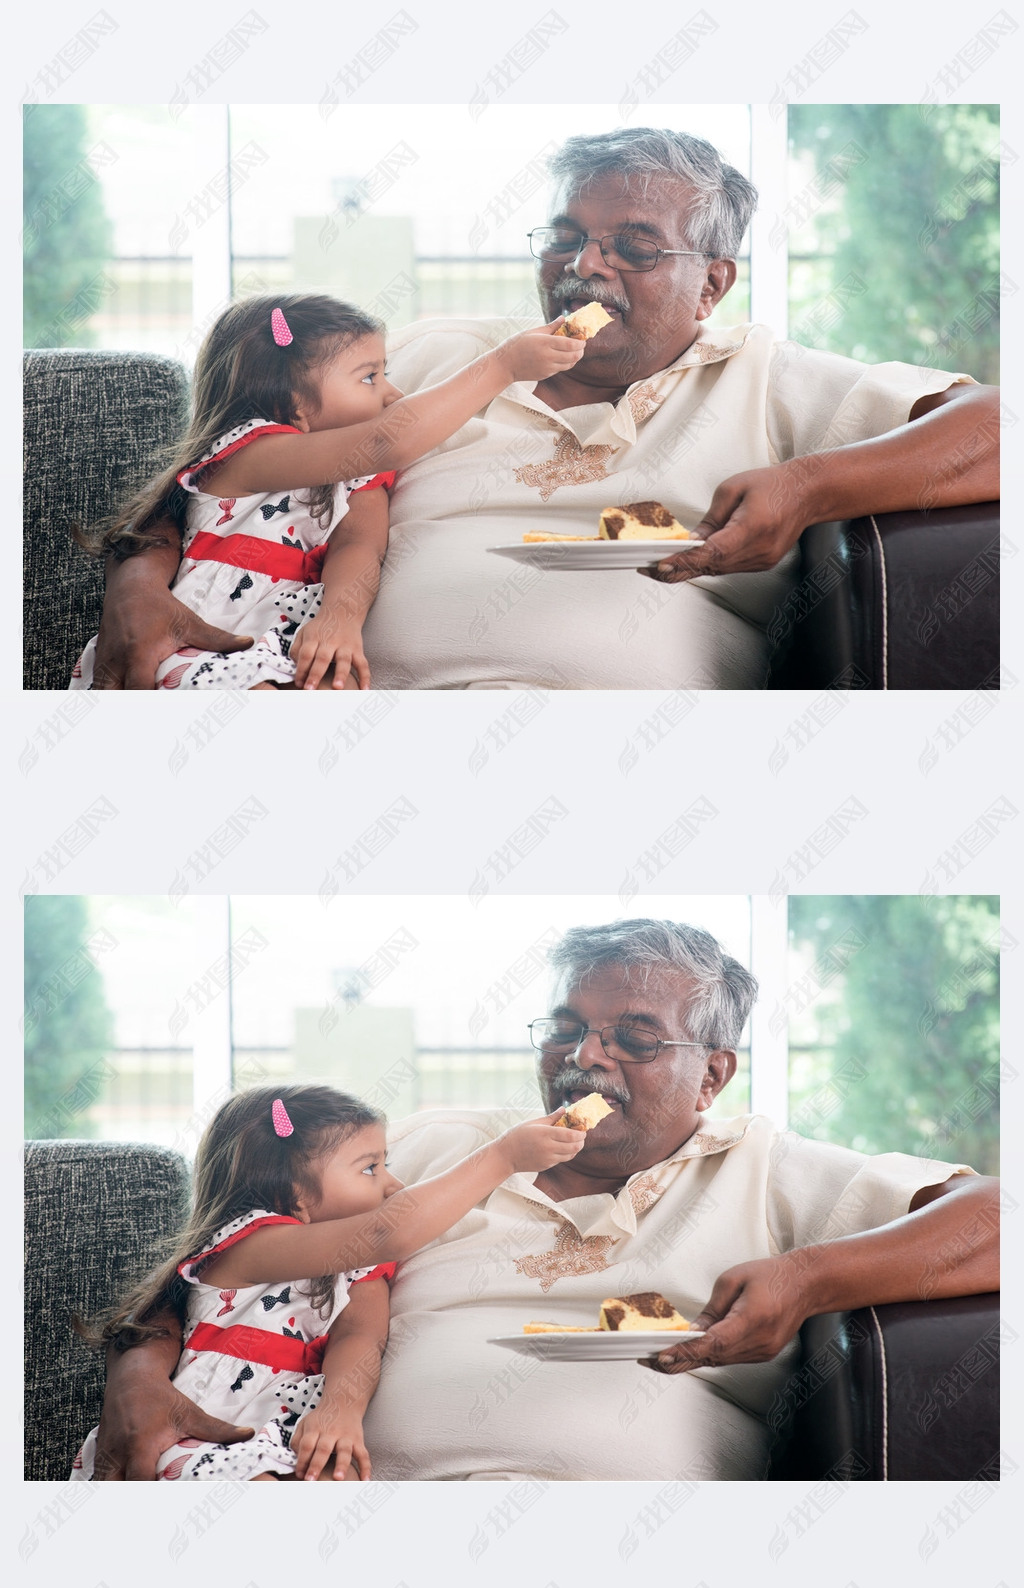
[(450, 1405), (451, 616)]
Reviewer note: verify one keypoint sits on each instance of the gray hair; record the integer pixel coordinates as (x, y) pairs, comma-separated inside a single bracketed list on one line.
[(724, 201), (726, 990)]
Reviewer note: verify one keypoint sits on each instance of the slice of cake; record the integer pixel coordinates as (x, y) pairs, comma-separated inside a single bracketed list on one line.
[(584, 323), (535, 537), (587, 1113), (559, 1328), (646, 1310), (641, 521)]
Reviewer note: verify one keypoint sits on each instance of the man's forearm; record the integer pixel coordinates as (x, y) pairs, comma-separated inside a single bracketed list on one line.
[(157, 566), (947, 458), (948, 1248), (156, 1358)]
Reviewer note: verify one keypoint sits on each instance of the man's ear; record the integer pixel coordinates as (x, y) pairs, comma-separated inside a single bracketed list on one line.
[(719, 277), (719, 1069)]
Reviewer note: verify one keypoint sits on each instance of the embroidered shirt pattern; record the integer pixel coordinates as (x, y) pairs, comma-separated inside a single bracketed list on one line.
[(571, 1254), (572, 464)]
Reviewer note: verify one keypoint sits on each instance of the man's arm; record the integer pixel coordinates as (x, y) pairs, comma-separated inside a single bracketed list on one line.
[(144, 1415), (946, 1245), (946, 455), (143, 622)]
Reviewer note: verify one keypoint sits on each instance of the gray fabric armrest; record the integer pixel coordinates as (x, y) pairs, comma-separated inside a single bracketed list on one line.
[(96, 426), (97, 1215)]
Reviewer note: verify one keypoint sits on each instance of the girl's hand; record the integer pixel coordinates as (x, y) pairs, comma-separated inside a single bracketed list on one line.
[(540, 1143), (534, 355), (322, 1434), (329, 638)]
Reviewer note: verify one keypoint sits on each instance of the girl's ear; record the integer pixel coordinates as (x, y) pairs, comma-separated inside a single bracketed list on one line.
[(301, 416), (301, 1206)]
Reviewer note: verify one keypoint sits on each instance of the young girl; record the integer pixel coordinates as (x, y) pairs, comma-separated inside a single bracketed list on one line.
[(282, 1275), (279, 485)]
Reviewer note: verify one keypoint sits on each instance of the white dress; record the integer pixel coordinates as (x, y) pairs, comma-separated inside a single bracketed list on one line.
[(251, 1355), (251, 565)]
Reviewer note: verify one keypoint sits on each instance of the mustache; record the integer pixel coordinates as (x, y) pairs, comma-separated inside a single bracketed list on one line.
[(569, 1079), (573, 287)]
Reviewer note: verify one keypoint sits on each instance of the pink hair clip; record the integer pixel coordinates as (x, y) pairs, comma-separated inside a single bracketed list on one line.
[(279, 326), (279, 1114)]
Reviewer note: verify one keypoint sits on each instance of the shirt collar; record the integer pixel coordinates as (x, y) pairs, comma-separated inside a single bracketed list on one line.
[(646, 1187), (644, 397)]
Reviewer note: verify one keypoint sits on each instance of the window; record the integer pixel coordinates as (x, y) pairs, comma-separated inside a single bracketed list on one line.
[(877, 238), (893, 229), (143, 221), (876, 1027)]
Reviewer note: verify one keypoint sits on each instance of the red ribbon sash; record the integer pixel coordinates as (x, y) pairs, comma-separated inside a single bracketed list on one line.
[(278, 1351), (275, 559)]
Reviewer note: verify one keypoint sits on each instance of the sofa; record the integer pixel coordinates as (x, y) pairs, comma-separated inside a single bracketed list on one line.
[(895, 601), (886, 1393)]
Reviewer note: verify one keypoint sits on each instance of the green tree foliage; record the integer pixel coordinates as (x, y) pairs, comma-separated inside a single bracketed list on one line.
[(905, 1028), (67, 236), (901, 204), (68, 1026)]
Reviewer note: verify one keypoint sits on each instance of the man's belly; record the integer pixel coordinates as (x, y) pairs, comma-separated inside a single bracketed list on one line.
[(451, 1406), (450, 615)]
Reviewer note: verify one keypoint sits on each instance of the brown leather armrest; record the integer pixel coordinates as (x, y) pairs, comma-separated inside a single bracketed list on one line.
[(897, 1392), (894, 601)]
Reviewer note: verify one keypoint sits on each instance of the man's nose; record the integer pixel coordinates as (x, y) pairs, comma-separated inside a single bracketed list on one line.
[(591, 1052), (590, 262)]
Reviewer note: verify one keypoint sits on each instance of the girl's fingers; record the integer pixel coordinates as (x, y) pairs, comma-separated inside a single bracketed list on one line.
[(361, 668), (318, 1460), (317, 668)]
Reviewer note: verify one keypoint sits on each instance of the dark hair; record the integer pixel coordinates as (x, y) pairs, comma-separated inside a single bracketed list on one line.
[(723, 199), (241, 1164), (725, 991), (241, 374)]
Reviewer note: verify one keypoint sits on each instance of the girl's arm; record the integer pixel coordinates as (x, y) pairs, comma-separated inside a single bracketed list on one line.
[(406, 429), (144, 1415), (351, 574), (401, 1225), (351, 1370)]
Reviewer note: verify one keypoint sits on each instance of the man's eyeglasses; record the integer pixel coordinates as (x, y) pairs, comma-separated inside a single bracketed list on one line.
[(623, 252), (625, 1044)]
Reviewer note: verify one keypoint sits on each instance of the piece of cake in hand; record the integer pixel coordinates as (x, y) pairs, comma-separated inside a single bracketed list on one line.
[(648, 1309), (584, 323), (641, 521), (587, 1113)]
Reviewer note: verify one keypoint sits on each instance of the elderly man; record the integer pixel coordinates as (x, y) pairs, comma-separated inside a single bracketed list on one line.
[(746, 1229), (745, 439)]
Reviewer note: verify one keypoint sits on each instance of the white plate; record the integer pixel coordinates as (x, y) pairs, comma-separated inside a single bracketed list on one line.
[(603, 1346), (590, 554)]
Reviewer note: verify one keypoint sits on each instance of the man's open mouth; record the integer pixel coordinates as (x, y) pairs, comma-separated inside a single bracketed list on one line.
[(570, 305), (586, 1091)]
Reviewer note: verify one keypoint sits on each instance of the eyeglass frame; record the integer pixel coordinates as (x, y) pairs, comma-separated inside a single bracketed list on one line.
[(638, 270), (590, 1031)]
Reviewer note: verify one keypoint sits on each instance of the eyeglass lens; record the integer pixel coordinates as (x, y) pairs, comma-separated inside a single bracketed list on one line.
[(561, 1036), (631, 252)]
